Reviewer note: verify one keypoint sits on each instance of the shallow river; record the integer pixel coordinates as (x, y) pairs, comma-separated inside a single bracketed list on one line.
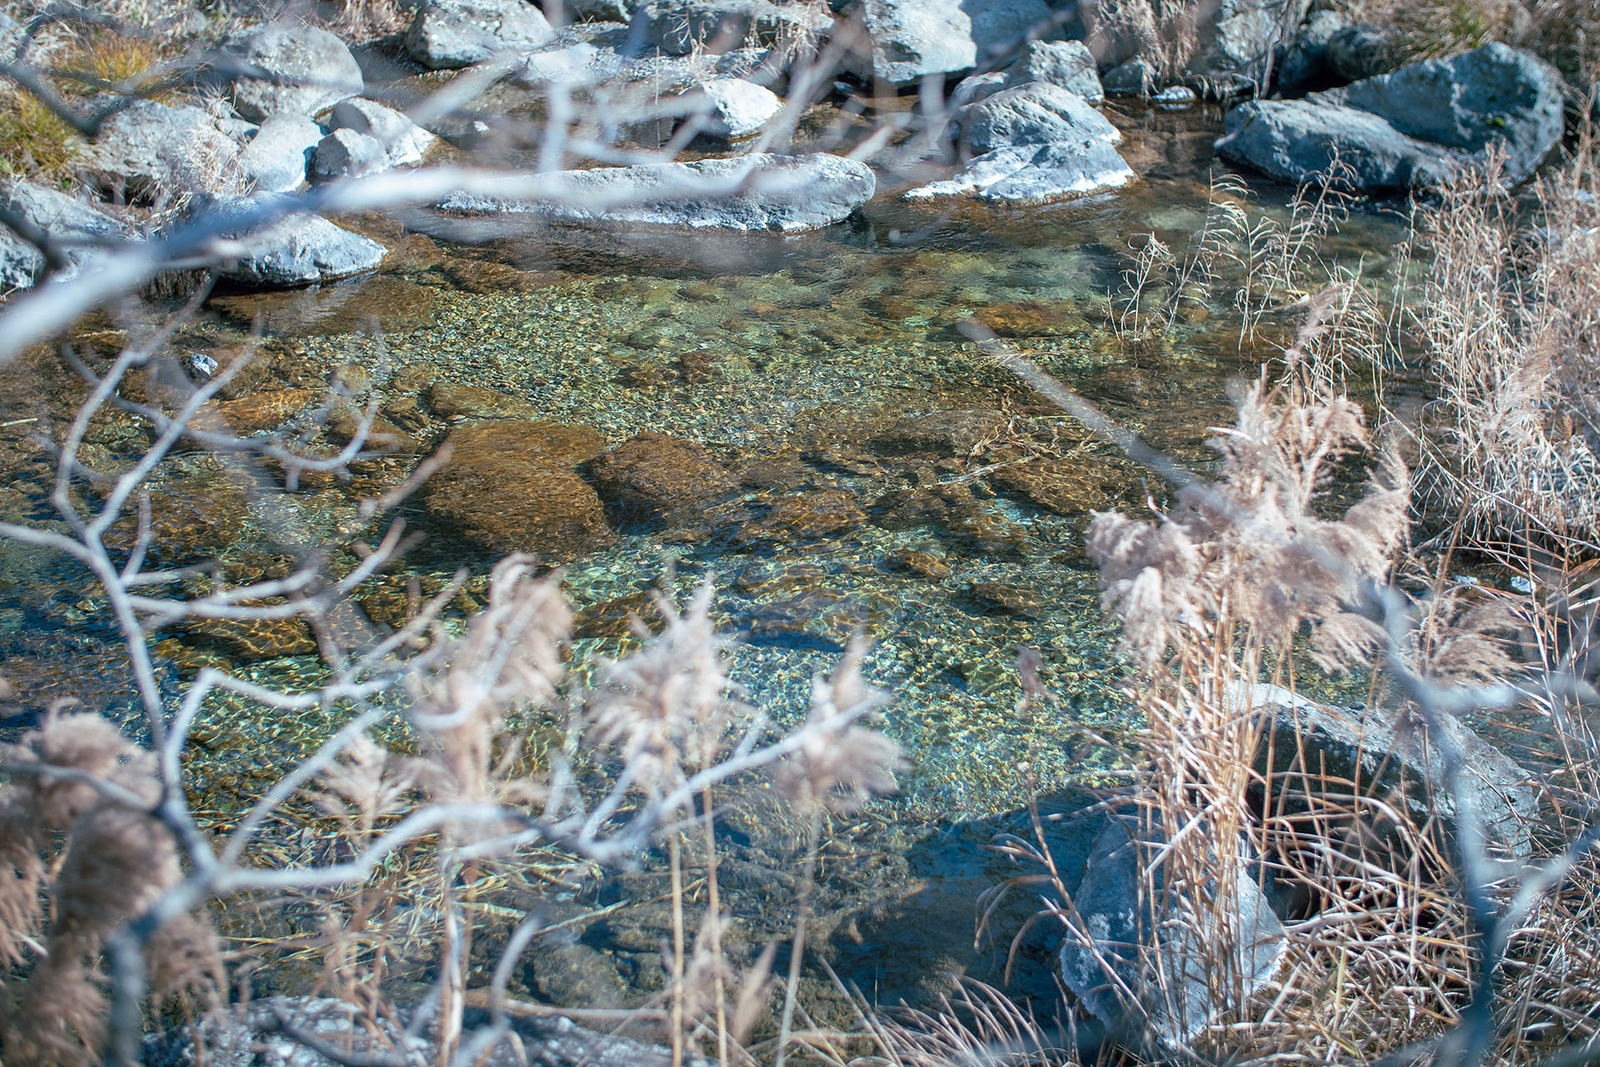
[(889, 477)]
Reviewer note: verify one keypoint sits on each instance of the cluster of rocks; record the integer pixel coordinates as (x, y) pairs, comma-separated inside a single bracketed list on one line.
[(292, 113), (1030, 132), (1413, 128), (1021, 126)]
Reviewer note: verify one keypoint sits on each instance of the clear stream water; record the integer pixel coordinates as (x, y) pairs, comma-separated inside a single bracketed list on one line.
[(796, 359)]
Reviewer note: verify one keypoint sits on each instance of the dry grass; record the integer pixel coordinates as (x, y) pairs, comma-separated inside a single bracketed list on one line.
[(82, 856), (1507, 330), (34, 142), (1401, 944), (1564, 32)]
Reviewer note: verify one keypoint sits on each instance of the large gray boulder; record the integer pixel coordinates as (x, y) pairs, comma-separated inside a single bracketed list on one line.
[(1298, 140), (1241, 37), (679, 27), (1068, 64), (1397, 756), (1159, 961), (1415, 127), (299, 250), (446, 34), (1494, 95), (305, 70), (905, 41), (1033, 114), (757, 192), (274, 160), (1030, 173), (61, 217), (149, 149), (1360, 51)]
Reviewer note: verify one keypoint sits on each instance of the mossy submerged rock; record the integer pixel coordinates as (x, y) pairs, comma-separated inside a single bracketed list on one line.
[(462, 400), (195, 511), (255, 640), (510, 486), (814, 515), (259, 410), (940, 433), (655, 477)]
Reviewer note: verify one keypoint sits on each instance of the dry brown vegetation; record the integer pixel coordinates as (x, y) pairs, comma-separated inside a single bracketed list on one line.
[(1505, 328), (1564, 32), (1421, 947)]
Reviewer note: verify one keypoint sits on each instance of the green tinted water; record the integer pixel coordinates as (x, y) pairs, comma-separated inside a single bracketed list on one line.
[(821, 368)]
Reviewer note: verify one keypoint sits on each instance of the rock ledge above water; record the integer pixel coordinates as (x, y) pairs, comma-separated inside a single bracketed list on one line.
[(786, 194)]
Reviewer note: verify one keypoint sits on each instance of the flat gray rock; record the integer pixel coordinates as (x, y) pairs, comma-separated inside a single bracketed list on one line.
[(907, 40), (275, 159), (446, 34), (308, 71), (300, 250), (761, 192), (148, 149), (60, 216), (1068, 64), (252, 1035), (1414, 128), (586, 65), (1117, 979), (1033, 114), (1393, 757), (681, 27), (1031, 173)]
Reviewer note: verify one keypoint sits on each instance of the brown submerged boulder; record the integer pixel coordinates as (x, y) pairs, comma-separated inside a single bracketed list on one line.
[(658, 478), (510, 486)]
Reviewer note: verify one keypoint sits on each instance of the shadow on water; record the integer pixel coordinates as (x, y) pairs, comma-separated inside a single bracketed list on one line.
[(911, 950)]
